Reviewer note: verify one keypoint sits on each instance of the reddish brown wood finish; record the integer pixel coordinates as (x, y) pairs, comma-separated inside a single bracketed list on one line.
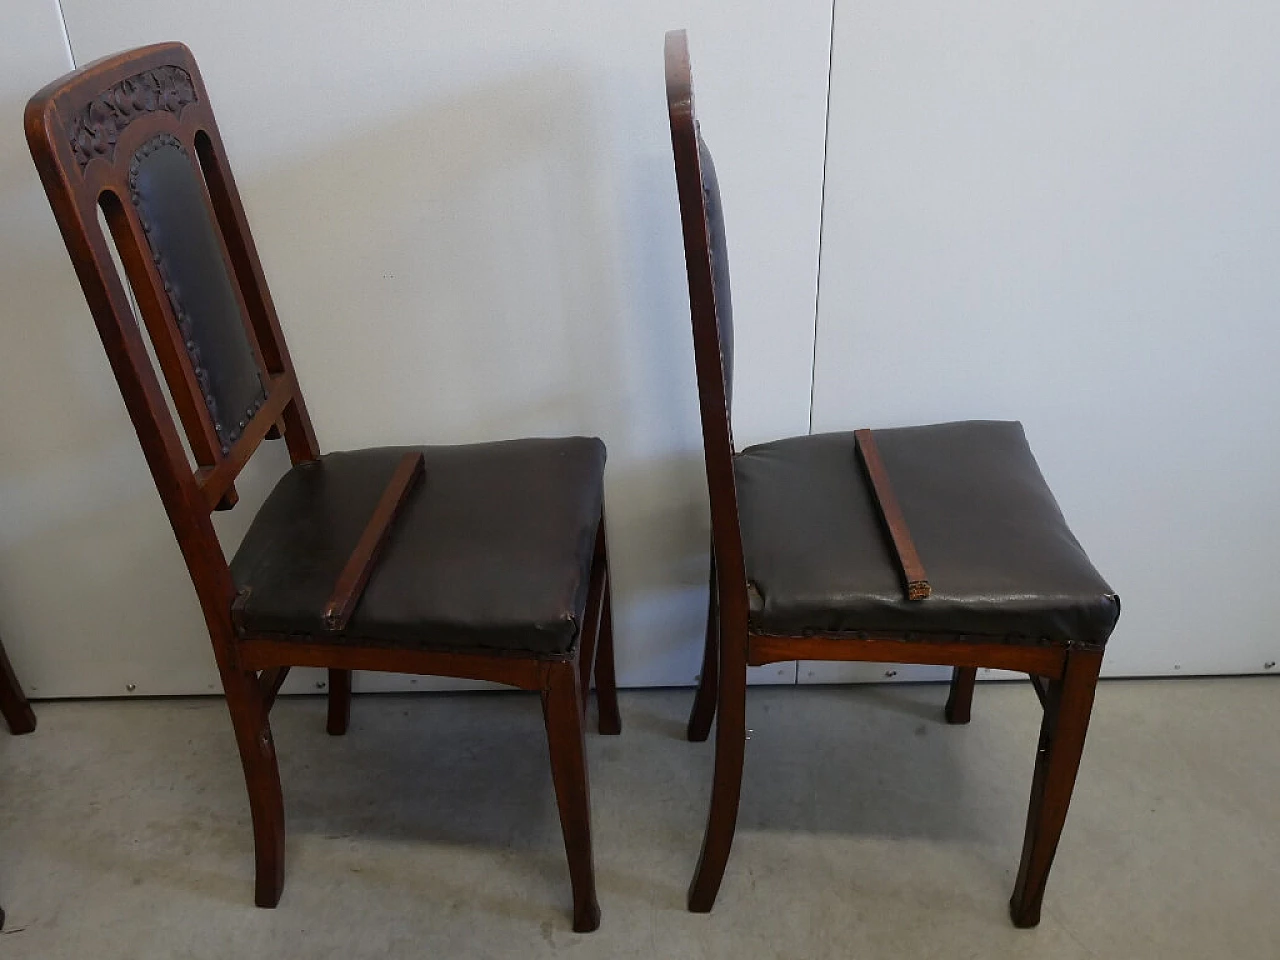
[(730, 643), (215, 481), (904, 548), (609, 721), (962, 652), (14, 707), (339, 702), (960, 697), (597, 649), (704, 701), (1041, 686), (83, 131), (562, 699), (355, 575), (1068, 706), (271, 681)]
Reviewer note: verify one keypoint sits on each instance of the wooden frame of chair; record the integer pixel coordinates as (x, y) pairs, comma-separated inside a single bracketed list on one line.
[(82, 130), (1064, 677)]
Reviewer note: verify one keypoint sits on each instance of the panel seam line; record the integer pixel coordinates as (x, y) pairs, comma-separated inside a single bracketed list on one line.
[(66, 36), (822, 214)]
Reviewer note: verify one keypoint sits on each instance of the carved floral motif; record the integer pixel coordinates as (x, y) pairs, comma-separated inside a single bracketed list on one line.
[(97, 127)]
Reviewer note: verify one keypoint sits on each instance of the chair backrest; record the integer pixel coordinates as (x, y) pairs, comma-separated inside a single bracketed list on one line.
[(710, 306), (131, 140)]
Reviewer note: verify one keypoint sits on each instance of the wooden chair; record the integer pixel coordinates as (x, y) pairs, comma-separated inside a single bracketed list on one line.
[(820, 546), (15, 709), (485, 561)]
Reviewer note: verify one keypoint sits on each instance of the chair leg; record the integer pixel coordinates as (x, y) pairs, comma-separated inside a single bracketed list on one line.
[(262, 777), (610, 722), (587, 660), (13, 705), (961, 697), (562, 711), (339, 702), (1062, 734), (704, 701), (726, 788)]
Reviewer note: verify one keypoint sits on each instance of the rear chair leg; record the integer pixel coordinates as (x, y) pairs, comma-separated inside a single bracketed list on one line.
[(562, 711), (1062, 732), (339, 702), (587, 652), (704, 701), (726, 787), (961, 697), (262, 777), (606, 683)]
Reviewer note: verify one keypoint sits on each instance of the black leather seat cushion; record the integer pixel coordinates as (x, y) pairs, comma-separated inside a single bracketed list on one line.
[(492, 550), (993, 542)]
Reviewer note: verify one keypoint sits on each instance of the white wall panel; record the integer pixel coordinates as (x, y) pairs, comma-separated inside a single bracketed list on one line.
[(1068, 213), (467, 214)]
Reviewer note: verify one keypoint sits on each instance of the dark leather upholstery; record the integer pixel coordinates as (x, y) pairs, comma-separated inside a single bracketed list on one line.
[(719, 250), (171, 206), (492, 550), (996, 548)]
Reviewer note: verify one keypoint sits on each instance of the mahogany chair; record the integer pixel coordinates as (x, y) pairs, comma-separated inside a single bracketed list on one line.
[(935, 544), (15, 709), (483, 561)]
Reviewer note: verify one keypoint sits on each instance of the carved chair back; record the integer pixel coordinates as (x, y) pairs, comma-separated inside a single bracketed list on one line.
[(131, 141)]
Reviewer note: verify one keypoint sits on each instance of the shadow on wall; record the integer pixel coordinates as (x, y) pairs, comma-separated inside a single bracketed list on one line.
[(480, 268)]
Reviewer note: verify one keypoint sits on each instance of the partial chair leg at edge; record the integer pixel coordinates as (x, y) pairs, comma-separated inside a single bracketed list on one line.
[(960, 699), (16, 710), (339, 702), (566, 743), (704, 701), (1062, 735), (252, 725)]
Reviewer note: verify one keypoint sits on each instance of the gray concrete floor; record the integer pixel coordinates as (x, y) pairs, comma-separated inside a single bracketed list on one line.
[(869, 829)]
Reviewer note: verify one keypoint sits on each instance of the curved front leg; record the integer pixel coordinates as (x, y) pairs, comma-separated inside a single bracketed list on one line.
[(1062, 732), (726, 788), (562, 711), (262, 778)]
